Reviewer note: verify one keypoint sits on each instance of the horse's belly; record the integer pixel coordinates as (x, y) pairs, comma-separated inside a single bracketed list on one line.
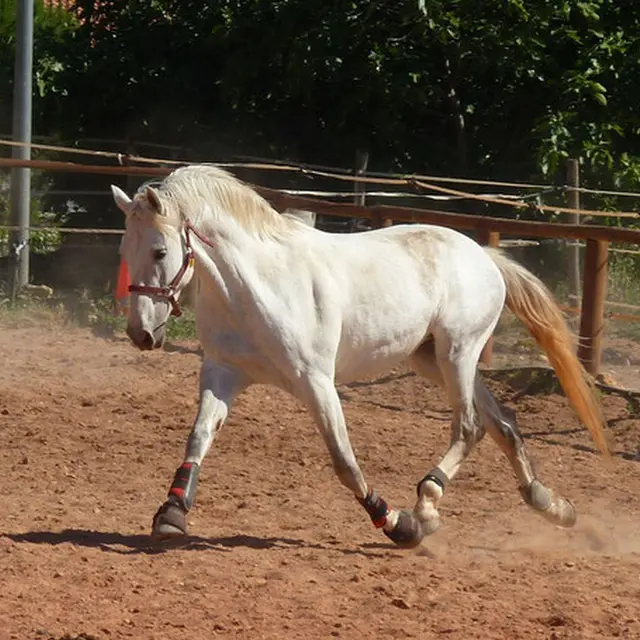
[(370, 348), (368, 367)]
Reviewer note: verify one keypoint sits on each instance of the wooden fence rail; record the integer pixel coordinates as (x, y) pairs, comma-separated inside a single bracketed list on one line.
[(487, 229)]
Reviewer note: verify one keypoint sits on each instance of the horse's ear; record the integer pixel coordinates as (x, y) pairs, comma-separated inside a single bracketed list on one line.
[(122, 200), (154, 200)]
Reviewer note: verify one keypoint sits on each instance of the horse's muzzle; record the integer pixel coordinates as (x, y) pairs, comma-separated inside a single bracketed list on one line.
[(146, 340)]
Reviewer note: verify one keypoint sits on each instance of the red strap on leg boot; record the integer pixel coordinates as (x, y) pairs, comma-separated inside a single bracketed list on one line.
[(184, 485)]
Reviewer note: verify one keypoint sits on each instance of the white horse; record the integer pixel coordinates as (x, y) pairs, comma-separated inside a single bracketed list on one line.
[(282, 303)]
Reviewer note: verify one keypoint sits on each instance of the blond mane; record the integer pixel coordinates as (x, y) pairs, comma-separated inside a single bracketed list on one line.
[(184, 192)]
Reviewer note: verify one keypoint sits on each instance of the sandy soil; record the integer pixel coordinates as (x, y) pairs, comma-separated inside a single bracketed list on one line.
[(93, 431)]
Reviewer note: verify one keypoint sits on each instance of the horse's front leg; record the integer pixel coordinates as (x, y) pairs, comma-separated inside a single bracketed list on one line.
[(219, 385), (403, 527)]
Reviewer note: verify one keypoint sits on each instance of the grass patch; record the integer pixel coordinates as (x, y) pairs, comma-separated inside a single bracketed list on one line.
[(182, 328), (80, 310), (28, 312)]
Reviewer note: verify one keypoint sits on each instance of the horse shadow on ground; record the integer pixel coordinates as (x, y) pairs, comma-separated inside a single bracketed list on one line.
[(109, 334), (169, 347), (131, 544), (552, 437)]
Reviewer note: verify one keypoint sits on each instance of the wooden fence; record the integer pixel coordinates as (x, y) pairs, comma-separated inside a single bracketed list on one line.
[(488, 231)]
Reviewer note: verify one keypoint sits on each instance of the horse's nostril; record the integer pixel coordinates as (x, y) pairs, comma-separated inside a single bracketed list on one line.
[(148, 341), (141, 338)]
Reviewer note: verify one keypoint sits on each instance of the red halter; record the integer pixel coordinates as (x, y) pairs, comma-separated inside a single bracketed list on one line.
[(169, 292)]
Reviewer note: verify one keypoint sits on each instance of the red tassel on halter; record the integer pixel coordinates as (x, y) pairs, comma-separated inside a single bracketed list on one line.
[(122, 288)]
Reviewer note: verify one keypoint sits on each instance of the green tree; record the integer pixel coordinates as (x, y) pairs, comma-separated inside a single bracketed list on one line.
[(490, 89)]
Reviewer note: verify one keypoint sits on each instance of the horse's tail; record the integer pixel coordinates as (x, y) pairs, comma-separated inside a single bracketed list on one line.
[(534, 305)]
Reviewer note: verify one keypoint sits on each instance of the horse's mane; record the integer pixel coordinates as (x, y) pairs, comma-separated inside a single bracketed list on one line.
[(185, 191)]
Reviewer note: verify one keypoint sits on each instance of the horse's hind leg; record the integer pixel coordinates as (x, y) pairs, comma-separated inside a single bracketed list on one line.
[(504, 430), (320, 395), (453, 366), (501, 425)]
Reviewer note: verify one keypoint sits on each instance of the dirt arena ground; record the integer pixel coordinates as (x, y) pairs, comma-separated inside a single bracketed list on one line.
[(93, 430)]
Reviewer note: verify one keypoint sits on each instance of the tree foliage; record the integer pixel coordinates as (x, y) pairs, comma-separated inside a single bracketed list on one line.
[(504, 90)]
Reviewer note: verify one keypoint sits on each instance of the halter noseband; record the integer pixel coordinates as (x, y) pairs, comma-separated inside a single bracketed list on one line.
[(169, 292)]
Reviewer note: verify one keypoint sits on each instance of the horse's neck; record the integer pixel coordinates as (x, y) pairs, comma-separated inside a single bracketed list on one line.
[(234, 266)]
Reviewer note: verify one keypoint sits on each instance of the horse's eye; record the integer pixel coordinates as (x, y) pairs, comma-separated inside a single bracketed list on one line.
[(159, 254)]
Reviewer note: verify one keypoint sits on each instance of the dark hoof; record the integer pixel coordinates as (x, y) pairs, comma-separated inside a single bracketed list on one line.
[(408, 531), (169, 523)]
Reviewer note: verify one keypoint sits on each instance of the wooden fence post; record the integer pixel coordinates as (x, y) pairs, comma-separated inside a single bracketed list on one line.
[(593, 298), (378, 221), (488, 237)]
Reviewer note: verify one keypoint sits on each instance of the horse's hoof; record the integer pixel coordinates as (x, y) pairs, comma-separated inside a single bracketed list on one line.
[(408, 532), (431, 524), (562, 513), (169, 523), (428, 515), (554, 508)]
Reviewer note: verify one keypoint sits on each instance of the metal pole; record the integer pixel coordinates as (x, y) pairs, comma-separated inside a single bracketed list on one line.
[(360, 188), (573, 197), (21, 177)]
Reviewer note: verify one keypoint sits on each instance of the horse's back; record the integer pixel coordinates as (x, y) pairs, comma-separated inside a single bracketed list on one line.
[(399, 284), (472, 292)]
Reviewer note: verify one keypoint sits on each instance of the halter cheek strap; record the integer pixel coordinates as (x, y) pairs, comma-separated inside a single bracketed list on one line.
[(169, 292)]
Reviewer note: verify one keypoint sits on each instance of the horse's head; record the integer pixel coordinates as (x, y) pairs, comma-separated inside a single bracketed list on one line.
[(160, 263)]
